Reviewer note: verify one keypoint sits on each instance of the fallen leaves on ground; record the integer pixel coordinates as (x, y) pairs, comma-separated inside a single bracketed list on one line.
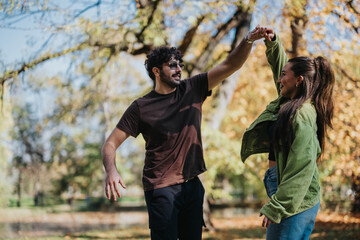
[(93, 225)]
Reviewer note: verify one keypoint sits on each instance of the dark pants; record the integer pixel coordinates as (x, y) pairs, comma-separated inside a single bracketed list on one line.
[(176, 211)]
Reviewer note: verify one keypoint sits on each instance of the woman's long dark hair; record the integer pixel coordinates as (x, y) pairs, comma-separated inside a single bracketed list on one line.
[(317, 85)]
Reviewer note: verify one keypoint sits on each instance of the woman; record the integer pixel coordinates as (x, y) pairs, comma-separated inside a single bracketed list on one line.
[(292, 129)]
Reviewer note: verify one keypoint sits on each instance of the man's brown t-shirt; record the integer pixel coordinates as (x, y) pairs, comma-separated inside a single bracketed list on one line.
[(171, 127)]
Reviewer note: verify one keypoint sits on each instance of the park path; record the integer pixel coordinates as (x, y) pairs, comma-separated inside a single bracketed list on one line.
[(15, 223)]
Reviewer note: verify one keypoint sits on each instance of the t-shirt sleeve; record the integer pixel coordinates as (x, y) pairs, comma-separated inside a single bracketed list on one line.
[(129, 122), (200, 84)]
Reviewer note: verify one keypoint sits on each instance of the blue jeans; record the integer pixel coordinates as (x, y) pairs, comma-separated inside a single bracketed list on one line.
[(297, 227), (270, 181)]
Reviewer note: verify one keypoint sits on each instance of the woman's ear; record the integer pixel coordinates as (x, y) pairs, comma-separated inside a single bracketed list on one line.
[(300, 80)]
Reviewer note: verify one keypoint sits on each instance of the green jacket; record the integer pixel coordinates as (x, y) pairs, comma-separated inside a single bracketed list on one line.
[(298, 176)]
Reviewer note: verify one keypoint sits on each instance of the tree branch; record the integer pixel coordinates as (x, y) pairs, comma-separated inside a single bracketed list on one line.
[(115, 48), (23, 5), (190, 35), (102, 67), (347, 20), (222, 31), (241, 29), (10, 20), (142, 3), (88, 8), (351, 6), (26, 66), (150, 19), (347, 75)]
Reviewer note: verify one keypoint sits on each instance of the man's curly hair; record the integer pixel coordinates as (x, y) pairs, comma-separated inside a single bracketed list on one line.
[(160, 55)]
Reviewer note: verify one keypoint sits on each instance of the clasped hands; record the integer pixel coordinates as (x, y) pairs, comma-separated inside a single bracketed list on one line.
[(261, 32)]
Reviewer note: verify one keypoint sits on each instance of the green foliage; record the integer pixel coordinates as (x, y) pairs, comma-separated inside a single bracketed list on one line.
[(12, 5), (227, 176), (28, 202), (27, 132), (83, 170)]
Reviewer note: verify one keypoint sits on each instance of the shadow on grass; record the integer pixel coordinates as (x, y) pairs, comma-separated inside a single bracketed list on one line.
[(235, 233), (142, 233), (134, 236), (139, 233), (41, 229), (335, 234), (335, 231)]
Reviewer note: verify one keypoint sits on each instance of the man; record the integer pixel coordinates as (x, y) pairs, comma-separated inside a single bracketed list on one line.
[(169, 118)]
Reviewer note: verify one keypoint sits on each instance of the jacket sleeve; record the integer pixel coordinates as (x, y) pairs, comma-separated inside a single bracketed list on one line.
[(276, 57), (298, 172)]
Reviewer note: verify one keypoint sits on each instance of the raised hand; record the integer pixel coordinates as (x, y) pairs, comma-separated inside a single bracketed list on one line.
[(261, 32)]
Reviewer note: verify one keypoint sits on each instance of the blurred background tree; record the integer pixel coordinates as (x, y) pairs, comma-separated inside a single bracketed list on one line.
[(85, 66), (6, 123)]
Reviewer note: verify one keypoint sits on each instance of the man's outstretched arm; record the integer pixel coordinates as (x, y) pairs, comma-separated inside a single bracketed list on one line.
[(236, 58), (113, 178)]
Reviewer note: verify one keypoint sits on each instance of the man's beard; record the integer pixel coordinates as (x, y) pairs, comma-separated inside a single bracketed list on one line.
[(168, 80)]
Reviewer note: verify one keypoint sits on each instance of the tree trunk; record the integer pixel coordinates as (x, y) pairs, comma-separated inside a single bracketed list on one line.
[(298, 27), (207, 211), (36, 169), (18, 188), (355, 187), (36, 194), (226, 89), (241, 22)]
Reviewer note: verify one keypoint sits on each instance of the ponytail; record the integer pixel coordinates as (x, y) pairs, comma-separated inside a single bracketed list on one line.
[(323, 97)]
